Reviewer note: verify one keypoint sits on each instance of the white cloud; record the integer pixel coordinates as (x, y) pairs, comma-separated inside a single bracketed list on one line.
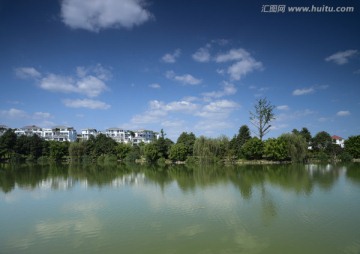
[(202, 55), (42, 115), (239, 69), (343, 113), (219, 109), (183, 106), (303, 91), (233, 55), (88, 81), (228, 89), (27, 72), (185, 79), (155, 86), (85, 103), (283, 107), (95, 15), (244, 63), (98, 70), (90, 86), (171, 58), (342, 57), (14, 113), (158, 110)]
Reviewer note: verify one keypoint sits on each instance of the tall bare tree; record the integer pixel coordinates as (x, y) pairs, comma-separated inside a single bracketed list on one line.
[(262, 116)]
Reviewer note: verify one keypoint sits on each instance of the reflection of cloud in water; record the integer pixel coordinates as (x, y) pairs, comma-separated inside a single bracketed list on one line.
[(89, 226), (216, 197), (80, 222), (248, 243), (83, 207)]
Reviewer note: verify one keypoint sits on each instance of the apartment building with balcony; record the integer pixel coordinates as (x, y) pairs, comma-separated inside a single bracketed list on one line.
[(57, 133), (29, 130), (87, 133)]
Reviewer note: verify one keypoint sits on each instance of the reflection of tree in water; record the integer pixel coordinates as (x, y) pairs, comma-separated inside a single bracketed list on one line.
[(353, 172), (298, 178)]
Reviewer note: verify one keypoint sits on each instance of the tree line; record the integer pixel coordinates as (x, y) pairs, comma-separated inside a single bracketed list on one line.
[(297, 146)]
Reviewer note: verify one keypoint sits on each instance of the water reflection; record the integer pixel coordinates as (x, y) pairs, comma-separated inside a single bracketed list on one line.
[(300, 179), (179, 209)]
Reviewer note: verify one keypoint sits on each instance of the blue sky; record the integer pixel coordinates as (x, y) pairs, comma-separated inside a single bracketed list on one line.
[(178, 65)]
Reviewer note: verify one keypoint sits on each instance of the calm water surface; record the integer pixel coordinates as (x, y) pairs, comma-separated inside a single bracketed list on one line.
[(134, 209)]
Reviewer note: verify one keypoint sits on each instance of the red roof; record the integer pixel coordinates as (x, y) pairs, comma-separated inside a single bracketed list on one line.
[(336, 137)]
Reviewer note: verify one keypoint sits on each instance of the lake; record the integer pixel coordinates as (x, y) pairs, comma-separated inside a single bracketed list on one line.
[(178, 209)]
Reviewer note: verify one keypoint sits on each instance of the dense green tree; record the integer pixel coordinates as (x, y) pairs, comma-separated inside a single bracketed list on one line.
[(352, 146), (76, 151), (103, 145), (334, 151), (211, 149), (253, 149), (202, 148), (242, 137), (122, 150), (295, 131), (306, 134), (321, 141), (275, 149), (36, 146), (58, 150), (296, 146), (133, 154), (151, 152), (163, 145), (7, 143), (262, 116), (178, 152), (188, 140)]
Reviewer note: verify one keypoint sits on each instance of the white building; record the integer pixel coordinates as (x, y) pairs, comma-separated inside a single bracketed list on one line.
[(64, 133), (131, 137), (118, 134), (338, 141), (57, 133), (87, 133), (29, 131), (144, 136)]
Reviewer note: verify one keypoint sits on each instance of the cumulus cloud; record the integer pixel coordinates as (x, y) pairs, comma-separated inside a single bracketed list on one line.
[(303, 91), (219, 109), (41, 118), (243, 67), (185, 79), (228, 89), (342, 57), (27, 72), (86, 103), (343, 113), (158, 110), (96, 15), (171, 58), (202, 55), (88, 81), (13, 113), (244, 63)]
